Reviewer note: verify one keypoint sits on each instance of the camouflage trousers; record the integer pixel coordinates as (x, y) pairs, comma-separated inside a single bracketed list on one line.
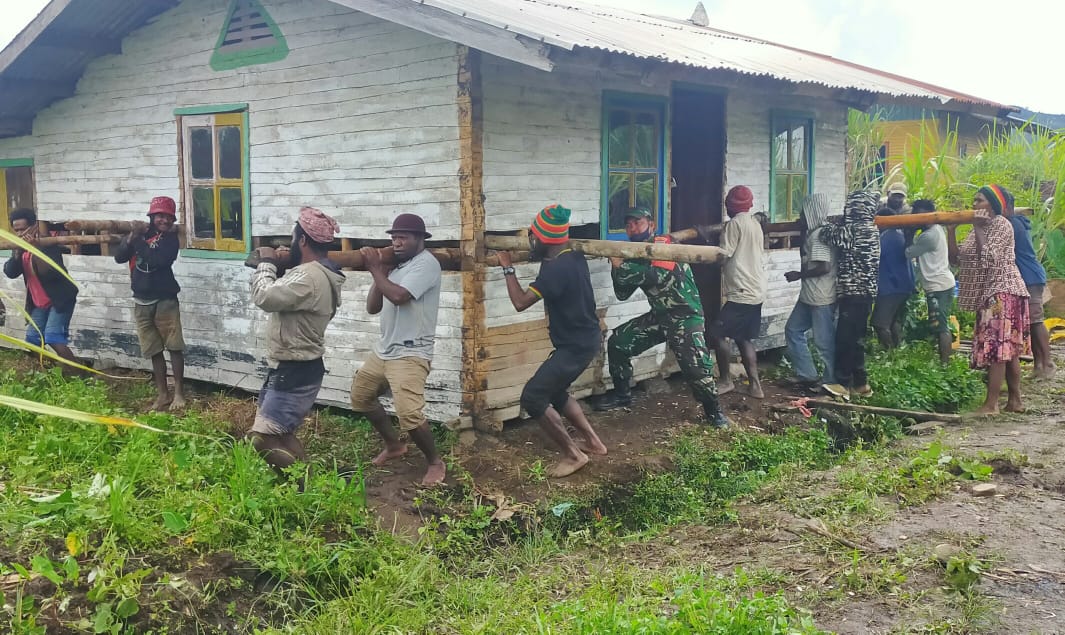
[(687, 343)]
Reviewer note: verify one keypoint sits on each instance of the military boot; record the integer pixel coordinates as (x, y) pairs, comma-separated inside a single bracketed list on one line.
[(715, 417), (619, 397)]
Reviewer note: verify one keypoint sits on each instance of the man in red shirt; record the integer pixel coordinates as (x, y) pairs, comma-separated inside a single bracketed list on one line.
[(50, 297)]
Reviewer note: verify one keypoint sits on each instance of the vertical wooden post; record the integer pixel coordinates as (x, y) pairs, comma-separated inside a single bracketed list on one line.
[(471, 244), (105, 246)]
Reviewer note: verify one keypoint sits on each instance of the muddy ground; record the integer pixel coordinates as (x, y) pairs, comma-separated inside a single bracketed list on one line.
[(1018, 534)]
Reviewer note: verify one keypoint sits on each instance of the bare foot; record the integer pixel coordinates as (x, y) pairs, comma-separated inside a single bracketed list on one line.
[(755, 390), (568, 466), (1047, 372), (178, 404), (986, 410), (589, 447), (160, 404), (1014, 407), (388, 454), (435, 474), (725, 387)]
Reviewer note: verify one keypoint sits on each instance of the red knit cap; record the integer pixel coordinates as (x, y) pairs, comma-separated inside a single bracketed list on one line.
[(739, 199)]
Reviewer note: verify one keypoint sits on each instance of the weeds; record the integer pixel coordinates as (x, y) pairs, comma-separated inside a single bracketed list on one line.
[(911, 377)]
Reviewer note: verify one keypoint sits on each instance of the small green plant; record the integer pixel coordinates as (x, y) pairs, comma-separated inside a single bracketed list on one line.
[(912, 378), (963, 573)]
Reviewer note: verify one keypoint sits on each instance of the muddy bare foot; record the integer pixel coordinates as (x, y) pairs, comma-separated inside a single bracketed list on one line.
[(160, 404), (434, 474), (725, 387), (590, 447), (985, 410), (388, 454), (1045, 373), (755, 390), (1014, 406), (178, 404), (567, 466)]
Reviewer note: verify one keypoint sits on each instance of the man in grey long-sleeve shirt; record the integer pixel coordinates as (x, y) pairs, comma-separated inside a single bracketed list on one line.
[(933, 265)]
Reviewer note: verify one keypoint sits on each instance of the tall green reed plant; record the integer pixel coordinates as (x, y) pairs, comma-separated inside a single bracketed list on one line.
[(928, 164), (865, 137)]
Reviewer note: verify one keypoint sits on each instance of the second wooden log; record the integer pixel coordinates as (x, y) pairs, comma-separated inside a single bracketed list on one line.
[(619, 249)]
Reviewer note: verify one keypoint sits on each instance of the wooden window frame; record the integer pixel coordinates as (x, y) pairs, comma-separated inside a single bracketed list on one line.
[(809, 124), (214, 116), (638, 103), (5, 209)]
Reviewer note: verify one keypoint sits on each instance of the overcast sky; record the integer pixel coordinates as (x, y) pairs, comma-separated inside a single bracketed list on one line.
[(1002, 51)]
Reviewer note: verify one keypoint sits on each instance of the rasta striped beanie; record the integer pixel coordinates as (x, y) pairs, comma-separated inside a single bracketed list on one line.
[(995, 195), (551, 225)]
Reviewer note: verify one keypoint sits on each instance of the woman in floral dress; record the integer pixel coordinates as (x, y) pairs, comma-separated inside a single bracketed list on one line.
[(992, 286)]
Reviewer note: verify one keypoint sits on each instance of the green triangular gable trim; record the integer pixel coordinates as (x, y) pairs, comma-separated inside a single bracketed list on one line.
[(272, 50)]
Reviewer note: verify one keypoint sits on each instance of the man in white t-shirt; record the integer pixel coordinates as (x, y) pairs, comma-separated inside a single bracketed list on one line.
[(407, 297), (933, 265), (816, 308), (744, 281)]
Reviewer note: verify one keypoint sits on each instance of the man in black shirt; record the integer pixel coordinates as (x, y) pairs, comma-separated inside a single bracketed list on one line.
[(565, 286)]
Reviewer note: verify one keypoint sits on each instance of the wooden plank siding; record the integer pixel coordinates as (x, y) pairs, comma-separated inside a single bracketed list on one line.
[(360, 120)]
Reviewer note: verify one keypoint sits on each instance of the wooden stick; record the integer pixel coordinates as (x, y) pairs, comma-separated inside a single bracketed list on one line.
[(619, 249), (916, 415), (68, 240)]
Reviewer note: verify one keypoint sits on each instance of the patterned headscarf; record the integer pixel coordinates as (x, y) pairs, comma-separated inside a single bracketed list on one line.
[(319, 227), (996, 195), (815, 209), (861, 205)]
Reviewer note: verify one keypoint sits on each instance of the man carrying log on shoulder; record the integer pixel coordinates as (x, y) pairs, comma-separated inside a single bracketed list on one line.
[(676, 317), (744, 280), (156, 311), (565, 285), (50, 297), (933, 264), (301, 303), (408, 299)]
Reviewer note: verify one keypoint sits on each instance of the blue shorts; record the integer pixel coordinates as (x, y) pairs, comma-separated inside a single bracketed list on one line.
[(287, 395), (53, 323)]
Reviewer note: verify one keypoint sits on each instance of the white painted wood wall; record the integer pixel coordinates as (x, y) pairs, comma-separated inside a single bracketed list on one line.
[(359, 120)]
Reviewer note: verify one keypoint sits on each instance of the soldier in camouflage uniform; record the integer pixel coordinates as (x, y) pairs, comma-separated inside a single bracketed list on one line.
[(676, 317)]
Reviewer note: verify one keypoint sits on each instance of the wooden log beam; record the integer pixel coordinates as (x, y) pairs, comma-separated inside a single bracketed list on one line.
[(449, 257), (962, 217), (111, 226), (619, 249), (67, 240)]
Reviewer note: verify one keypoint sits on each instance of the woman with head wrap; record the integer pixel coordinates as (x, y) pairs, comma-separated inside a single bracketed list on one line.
[(991, 285)]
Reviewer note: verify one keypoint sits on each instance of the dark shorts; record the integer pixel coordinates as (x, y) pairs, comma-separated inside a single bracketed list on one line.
[(287, 395), (738, 322), (940, 304), (889, 309), (549, 386)]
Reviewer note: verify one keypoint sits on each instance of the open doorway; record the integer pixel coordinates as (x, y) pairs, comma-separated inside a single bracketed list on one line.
[(697, 165)]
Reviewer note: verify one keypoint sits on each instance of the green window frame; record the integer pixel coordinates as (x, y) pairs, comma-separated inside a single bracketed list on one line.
[(214, 152), (633, 160), (791, 163), (18, 188)]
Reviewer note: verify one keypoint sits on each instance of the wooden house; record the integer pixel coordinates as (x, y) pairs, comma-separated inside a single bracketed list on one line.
[(472, 113)]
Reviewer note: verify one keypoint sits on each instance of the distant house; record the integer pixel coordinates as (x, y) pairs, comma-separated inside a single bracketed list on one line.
[(472, 113)]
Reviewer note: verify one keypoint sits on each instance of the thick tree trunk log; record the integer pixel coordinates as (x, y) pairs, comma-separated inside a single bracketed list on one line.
[(963, 217), (619, 249), (112, 226), (450, 258), (68, 240)]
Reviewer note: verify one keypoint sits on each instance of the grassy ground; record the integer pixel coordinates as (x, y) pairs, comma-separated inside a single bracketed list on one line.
[(113, 531)]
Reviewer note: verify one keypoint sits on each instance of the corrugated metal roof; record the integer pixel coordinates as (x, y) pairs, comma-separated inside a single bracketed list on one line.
[(44, 62), (574, 24)]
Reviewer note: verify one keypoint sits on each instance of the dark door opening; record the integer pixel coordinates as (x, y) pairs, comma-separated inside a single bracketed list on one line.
[(697, 166)]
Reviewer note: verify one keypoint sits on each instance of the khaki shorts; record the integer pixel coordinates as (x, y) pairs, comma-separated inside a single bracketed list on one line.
[(159, 327), (1035, 303), (405, 376)]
